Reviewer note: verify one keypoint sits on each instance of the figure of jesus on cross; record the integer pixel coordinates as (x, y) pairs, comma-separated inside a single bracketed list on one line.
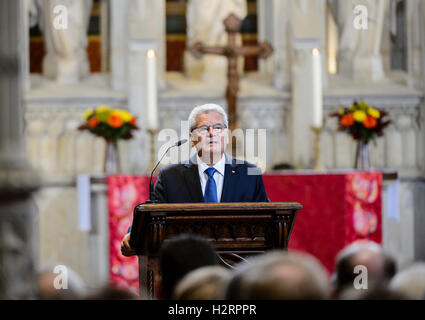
[(232, 26)]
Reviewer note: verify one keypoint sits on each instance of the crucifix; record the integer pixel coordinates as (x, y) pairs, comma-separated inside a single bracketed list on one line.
[(232, 26)]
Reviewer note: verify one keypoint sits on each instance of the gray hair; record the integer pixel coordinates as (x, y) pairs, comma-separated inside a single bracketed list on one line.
[(410, 281), (206, 108), (279, 275), (205, 283)]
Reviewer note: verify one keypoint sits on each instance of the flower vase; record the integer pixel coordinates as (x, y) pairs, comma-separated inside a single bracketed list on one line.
[(112, 160), (362, 161)]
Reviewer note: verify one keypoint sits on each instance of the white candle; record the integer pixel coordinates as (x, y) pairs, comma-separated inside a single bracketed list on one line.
[(151, 94), (317, 89)]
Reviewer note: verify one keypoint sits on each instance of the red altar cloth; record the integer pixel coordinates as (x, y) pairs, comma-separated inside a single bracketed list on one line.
[(337, 209)]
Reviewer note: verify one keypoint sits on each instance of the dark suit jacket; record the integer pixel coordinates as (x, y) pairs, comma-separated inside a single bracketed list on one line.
[(180, 183)]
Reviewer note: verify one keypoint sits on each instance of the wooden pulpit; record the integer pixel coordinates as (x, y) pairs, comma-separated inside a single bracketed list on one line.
[(237, 230)]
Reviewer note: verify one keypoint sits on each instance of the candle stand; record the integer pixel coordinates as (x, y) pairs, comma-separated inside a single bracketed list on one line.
[(152, 133)]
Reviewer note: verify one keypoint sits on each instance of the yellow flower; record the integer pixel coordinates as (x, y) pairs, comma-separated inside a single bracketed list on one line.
[(341, 111), (87, 114), (359, 115), (124, 114), (374, 113), (103, 112), (103, 108), (362, 105)]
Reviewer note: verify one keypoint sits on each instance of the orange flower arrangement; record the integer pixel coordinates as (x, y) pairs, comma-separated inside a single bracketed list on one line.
[(361, 121), (114, 121), (111, 124), (93, 122), (370, 122), (347, 120)]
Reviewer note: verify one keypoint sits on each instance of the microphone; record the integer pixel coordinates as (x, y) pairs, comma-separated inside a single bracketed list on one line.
[(177, 144)]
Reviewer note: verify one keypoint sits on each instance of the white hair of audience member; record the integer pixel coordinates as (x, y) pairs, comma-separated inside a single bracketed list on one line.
[(364, 245), (280, 275), (206, 108), (205, 283), (60, 282), (410, 281)]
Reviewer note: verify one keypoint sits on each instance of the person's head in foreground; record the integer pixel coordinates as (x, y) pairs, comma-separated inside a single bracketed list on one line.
[(279, 275), (208, 132), (410, 282), (60, 282), (206, 283), (111, 292), (376, 292), (182, 254), (358, 257)]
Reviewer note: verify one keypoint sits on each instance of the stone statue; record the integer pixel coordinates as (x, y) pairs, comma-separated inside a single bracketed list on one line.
[(64, 24), (360, 45), (204, 19)]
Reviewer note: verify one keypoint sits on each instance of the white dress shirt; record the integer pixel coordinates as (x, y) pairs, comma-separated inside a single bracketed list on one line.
[(218, 174)]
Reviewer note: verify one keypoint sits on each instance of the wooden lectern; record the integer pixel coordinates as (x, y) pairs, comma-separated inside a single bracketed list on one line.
[(237, 230)]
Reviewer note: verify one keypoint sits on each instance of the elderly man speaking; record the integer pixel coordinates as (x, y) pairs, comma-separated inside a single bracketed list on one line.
[(211, 175)]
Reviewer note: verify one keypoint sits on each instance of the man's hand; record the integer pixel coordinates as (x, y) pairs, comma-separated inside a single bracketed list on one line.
[(126, 250)]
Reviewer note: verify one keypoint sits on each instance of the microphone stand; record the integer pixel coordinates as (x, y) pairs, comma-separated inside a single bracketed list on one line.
[(151, 196)]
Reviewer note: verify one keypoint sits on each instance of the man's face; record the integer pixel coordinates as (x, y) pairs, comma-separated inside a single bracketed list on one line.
[(207, 137)]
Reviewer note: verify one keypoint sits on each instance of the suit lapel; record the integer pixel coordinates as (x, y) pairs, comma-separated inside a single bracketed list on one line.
[(191, 176), (229, 180)]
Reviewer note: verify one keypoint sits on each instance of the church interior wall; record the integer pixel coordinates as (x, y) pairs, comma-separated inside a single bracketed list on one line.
[(60, 152), (60, 239)]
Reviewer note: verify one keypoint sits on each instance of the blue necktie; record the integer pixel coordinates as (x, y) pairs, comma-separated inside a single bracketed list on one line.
[(211, 188)]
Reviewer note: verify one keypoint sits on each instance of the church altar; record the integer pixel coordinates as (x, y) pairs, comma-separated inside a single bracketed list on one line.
[(339, 207)]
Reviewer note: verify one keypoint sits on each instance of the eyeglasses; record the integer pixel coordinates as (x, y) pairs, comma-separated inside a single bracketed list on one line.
[(203, 130)]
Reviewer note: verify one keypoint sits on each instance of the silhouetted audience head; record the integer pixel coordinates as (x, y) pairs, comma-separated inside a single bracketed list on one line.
[(111, 292), (182, 254), (60, 282), (378, 292), (380, 266), (206, 283), (279, 275), (410, 281)]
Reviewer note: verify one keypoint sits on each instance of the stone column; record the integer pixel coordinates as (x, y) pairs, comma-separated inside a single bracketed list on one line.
[(415, 19), (147, 23), (25, 54), (136, 20), (302, 95), (18, 241), (146, 30), (139, 150), (308, 21), (273, 27), (119, 44), (422, 27), (307, 25)]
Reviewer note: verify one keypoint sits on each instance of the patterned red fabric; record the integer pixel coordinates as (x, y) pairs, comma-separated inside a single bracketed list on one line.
[(124, 193), (337, 210)]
